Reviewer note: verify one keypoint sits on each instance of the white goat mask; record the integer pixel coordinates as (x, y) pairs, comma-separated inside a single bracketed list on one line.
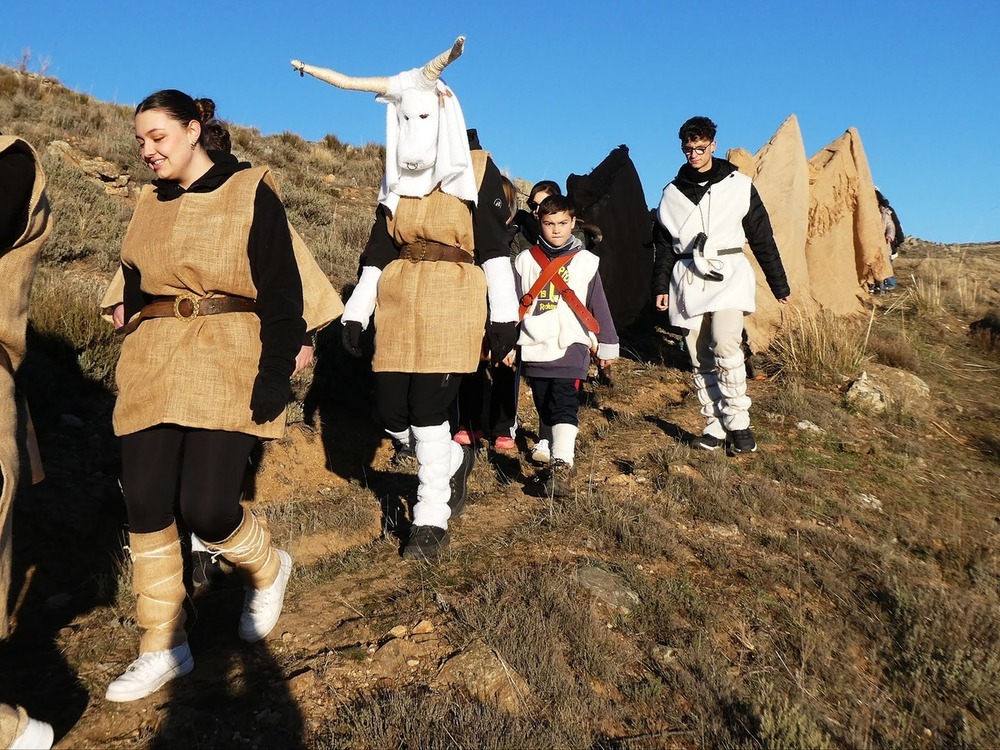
[(426, 142)]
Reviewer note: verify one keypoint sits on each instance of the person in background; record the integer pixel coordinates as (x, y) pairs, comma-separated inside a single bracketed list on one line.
[(565, 321), (702, 277), (893, 239), (212, 292), (488, 397), (24, 227)]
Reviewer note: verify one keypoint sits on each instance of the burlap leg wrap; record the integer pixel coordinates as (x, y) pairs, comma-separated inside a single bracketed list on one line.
[(249, 549), (158, 583), (13, 722)]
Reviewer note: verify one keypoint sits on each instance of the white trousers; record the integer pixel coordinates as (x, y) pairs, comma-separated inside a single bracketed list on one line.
[(715, 345)]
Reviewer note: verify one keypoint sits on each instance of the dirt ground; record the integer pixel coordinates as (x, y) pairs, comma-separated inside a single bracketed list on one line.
[(357, 617)]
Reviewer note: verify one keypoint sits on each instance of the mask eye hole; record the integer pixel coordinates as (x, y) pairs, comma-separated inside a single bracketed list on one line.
[(424, 117)]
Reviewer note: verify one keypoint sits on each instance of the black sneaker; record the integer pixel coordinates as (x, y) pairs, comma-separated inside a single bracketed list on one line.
[(425, 543), (460, 481), (709, 442), (559, 479), (742, 441)]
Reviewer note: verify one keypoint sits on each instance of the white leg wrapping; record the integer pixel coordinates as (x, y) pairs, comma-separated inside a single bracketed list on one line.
[(706, 387), (435, 464), (733, 385), (564, 442)]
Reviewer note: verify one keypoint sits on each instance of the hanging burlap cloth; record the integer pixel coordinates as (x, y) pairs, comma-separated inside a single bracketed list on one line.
[(17, 269)]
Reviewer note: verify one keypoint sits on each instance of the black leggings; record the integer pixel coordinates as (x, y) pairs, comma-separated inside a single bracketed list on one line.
[(406, 399), (201, 470)]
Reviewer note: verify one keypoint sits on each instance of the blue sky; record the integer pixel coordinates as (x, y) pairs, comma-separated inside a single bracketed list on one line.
[(553, 86)]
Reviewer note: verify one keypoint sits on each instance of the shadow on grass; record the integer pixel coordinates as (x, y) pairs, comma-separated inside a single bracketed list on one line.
[(67, 533)]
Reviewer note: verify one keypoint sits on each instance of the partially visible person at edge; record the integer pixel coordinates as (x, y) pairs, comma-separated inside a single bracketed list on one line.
[(24, 226), (565, 321), (702, 277), (212, 312), (487, 399), (893, 233)]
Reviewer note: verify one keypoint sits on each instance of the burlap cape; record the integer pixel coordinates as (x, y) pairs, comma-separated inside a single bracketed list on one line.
[(17, 270)]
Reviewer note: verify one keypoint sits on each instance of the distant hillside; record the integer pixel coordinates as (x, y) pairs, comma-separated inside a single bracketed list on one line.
[(329, 187)]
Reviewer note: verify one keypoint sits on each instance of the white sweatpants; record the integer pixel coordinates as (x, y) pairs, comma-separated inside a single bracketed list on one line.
[(715, 345)]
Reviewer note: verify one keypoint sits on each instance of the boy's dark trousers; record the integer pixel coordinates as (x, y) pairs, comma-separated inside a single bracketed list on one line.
[(557, 400)]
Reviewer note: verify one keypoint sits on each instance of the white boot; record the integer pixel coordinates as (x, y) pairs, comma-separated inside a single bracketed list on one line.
[(564, 442), (262, 607), (438, 456), (706, 388)]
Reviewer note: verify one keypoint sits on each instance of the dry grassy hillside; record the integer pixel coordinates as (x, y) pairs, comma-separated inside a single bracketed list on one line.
[(837, 589)]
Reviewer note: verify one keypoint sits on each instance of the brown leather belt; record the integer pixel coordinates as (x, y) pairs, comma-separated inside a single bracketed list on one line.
[(434, 251), (187, 307)]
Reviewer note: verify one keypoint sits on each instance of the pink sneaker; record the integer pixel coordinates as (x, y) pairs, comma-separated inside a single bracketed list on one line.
[(505, 443), (464, 437)]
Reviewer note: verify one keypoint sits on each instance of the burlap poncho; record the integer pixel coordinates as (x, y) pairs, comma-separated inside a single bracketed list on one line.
[(17, 269), (200, 373), (430, 316)]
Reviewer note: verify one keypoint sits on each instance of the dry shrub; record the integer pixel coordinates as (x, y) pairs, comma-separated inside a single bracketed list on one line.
[(542, 626), (894, 349), (64, 309), (415, 717), (819, 347), (946, 655)]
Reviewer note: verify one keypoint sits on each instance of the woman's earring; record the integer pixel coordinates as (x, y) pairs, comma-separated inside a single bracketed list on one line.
[(193, 145)]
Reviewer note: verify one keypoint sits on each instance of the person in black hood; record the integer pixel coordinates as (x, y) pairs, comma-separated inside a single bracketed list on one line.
[(702, 277)]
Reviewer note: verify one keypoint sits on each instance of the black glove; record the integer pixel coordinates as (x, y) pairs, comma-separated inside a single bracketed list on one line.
[(351, 337), (503, 338), (271, 391)]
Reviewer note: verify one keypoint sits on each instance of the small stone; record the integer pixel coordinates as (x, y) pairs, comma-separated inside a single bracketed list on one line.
[(806, 425), (286, 636), (412, 662), (684, 470), (399, 631), (423, 627)]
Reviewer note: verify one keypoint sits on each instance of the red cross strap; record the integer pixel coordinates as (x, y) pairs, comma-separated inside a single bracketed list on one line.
[(550, 273)]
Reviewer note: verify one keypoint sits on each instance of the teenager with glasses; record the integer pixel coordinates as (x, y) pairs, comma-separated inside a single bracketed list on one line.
[(704, 280)]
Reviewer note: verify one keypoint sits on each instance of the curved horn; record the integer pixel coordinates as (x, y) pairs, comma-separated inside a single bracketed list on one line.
[(433, 69), (375, 85)]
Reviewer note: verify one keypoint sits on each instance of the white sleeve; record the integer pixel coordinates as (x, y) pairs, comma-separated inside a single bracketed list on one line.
[(504, 305), (361, 305)]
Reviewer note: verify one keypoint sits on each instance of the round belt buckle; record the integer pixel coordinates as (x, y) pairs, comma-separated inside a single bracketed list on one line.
[(194, 302)]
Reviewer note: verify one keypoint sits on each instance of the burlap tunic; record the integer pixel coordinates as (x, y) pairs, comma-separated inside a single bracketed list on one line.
[(17, 269), (430, 316), (199, 372)]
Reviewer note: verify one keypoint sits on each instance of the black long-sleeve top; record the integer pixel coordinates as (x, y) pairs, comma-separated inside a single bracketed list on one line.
[(272, 266), (17, 178)]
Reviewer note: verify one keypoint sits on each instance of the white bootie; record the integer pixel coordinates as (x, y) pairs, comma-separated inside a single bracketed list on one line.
[(150, 672), (262, 607), (564, 443)]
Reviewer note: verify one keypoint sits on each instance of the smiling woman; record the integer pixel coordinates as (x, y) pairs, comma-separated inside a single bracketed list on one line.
[(210, 284)]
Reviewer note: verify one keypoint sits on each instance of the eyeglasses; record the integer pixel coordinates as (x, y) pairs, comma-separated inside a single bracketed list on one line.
[(688, 150)]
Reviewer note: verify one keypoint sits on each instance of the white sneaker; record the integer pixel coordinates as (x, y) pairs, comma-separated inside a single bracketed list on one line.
[(36, 736), (262, 607), (541, 453), (150, 672)]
